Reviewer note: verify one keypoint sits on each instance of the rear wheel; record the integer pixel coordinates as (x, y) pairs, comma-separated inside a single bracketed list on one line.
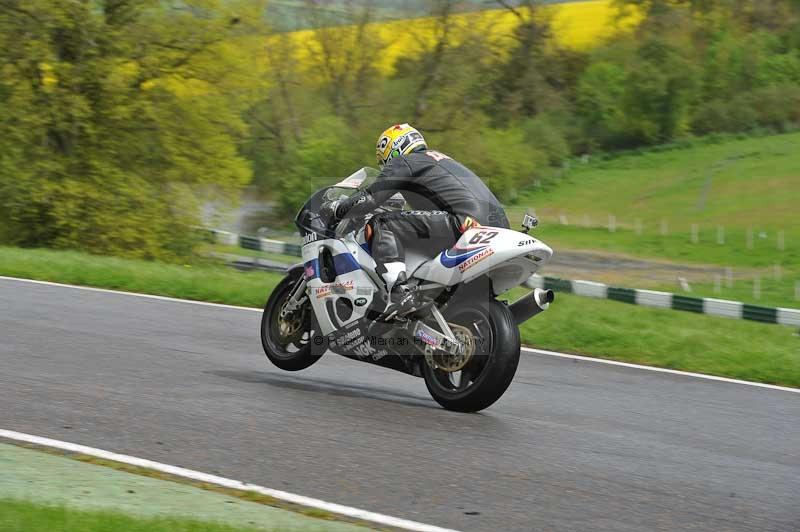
[(491, 336), (287, 339)]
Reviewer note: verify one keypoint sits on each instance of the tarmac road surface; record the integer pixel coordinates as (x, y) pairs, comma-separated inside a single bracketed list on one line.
[(573, 445)]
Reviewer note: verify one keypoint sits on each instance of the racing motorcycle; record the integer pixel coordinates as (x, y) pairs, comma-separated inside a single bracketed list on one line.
[(458, 336)]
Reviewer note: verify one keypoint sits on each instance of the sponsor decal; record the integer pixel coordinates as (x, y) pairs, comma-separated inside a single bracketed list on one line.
[(426, 338), (348, 337), (364, 350), (333, 288), (451, 258), (475, 259), (361, 301), (525, 243), (310, 237), (341, 288), (322, 291)]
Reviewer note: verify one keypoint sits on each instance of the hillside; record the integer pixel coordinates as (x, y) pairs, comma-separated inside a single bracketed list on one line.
[(742, 196)]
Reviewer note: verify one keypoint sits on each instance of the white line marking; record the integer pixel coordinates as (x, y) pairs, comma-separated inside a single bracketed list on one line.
[(226, 482), (525, 349), (658, 370)]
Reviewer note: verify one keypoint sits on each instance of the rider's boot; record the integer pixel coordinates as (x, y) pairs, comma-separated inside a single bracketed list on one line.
[(401, 296)]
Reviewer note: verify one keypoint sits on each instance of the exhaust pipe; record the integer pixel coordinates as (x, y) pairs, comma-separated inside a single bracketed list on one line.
[(532, 304)]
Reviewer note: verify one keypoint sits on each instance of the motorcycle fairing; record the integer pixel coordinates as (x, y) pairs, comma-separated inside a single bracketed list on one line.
[(350, 295), (507, 257)]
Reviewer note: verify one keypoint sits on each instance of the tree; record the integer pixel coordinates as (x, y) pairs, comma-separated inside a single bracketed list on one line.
[(118, 115)]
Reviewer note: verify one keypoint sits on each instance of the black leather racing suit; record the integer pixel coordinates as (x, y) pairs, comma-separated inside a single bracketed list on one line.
[(446, 198)]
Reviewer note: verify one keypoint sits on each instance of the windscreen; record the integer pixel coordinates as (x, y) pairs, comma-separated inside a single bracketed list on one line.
[(308, 219)]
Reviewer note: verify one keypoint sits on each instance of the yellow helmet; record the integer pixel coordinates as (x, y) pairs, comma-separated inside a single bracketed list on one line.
[(399, 139)]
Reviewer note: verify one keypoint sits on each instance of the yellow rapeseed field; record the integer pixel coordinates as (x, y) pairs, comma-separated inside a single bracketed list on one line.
[(578, 25)]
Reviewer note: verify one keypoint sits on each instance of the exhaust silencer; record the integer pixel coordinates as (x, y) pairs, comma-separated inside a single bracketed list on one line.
[(532, 304)]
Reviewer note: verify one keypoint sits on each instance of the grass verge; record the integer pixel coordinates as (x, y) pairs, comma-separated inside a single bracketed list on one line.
[(669, 339), (664, 338), (24, 516), (202, 282)]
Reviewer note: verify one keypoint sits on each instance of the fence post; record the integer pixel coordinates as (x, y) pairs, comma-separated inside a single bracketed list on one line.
[(781, 241), (749, 240), (562, 218), (638, 226), (717, 283), (720, 234), (757, 287), (695, 234), (587, 222), (777, 273), (729, 277), (612, 223), (664, 228)]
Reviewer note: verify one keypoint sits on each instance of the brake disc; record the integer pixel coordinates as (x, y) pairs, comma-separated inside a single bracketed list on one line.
[(290, 324), (449, 362)]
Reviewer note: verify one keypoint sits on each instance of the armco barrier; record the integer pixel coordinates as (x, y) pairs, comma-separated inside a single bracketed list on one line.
[(649, 298), (653, 298)]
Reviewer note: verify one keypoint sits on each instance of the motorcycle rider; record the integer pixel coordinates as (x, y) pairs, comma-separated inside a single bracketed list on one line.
[(446, 197)]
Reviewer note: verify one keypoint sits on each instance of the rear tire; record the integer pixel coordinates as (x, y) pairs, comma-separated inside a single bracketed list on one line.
[(289, 348), (490, 371)]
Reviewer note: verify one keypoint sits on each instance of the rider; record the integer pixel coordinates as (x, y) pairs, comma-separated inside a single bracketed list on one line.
[(446, 197)]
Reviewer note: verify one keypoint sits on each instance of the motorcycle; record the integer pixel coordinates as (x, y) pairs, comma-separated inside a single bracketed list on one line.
[(459, 337)]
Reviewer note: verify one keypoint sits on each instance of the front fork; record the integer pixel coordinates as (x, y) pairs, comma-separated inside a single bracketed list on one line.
[(297, 298)]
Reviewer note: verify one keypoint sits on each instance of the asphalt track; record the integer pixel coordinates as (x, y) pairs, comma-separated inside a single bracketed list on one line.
[(573, 445)]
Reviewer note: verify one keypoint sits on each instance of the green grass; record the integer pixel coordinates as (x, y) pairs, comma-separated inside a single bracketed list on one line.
[(738, 184), (203, 281), (774, 293), (666, 338), (669, 339), (23, 516)]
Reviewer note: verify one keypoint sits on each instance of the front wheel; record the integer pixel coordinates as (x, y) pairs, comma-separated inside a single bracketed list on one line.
[(491, 336), (287, 339)]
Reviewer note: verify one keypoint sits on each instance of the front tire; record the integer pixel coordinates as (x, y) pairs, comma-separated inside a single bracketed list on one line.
[(489, 372), (287, 341)]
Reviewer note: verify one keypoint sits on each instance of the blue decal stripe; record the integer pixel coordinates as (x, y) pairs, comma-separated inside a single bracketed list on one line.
[(451, 261), (345, 263), (342, 263)]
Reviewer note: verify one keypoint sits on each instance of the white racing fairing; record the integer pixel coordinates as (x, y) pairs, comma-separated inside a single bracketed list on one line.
[(507, 257)]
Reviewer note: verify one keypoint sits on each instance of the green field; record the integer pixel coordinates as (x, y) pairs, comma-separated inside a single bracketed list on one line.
[(666, 338), (739, 185)]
